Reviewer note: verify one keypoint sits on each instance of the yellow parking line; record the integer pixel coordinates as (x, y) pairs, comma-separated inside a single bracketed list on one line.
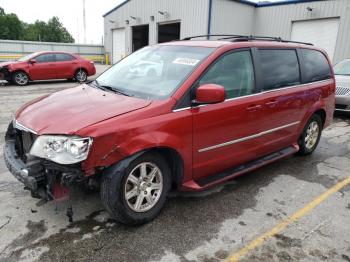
[(296, 216)]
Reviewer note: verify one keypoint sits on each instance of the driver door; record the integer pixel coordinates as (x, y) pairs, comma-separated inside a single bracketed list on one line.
[(223, 133)]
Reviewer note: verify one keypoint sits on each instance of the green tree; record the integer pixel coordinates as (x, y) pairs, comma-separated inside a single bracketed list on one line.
[(10, 26), (52, 31)]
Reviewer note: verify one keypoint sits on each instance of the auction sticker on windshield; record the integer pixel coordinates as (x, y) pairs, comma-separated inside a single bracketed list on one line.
[(186, 61)]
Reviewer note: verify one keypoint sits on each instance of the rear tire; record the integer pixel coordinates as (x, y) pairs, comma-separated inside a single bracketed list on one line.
[(137, 194), (20, 78), (311, 135)]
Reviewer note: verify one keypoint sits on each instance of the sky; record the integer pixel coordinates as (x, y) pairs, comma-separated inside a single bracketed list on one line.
[(70, 13)]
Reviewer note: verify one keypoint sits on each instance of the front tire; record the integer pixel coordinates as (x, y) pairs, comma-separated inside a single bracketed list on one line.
[(80, 75), (20, 78), (311, 135), (137, 194)]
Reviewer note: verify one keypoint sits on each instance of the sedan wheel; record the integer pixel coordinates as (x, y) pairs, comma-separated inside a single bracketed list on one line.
[(20, 78), (80, 76)]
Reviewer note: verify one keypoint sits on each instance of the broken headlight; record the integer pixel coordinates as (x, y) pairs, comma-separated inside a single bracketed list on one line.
[(61, 149)]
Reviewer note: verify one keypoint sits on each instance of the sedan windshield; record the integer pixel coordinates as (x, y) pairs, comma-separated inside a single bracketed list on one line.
[(27, 57), (342, 68), (153, 72)]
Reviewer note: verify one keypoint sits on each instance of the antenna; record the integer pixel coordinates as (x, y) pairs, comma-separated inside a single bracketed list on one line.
[(84, 21)]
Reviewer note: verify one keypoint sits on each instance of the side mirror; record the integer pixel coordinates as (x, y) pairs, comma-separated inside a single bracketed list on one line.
[(32, 61), (210, 94)]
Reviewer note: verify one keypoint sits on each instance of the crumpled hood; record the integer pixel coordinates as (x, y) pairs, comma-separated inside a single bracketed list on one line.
[(2, 64), (70, 110)]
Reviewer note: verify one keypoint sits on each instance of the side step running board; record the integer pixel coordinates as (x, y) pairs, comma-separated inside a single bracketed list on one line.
[(207, 182)]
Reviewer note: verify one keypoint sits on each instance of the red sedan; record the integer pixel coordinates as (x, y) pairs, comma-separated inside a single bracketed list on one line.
[(47, 65)]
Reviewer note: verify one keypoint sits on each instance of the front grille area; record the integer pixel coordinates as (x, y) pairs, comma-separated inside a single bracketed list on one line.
[(342, 91), (24, 141)]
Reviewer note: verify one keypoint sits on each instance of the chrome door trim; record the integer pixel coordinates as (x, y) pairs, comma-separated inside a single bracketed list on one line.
[(247, 137), (255, 94)]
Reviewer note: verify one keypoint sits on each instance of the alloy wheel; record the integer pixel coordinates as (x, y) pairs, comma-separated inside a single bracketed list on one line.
[(143, 187), (80, 76), (21, 78), (312, 133)]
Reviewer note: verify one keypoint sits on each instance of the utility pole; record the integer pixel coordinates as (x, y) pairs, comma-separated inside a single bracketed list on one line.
[(78, 29), (84, 21)]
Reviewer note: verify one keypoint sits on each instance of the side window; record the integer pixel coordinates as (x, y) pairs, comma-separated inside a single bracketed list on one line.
[(234, 72), (279, 68), (316, 66), (45, 58), (63, 57)]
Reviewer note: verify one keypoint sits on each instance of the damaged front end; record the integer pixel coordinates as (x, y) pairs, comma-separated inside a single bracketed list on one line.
[(5, 73), (45, 179)]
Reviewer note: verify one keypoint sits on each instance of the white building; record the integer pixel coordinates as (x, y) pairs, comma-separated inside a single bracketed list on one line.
[(136, 23)]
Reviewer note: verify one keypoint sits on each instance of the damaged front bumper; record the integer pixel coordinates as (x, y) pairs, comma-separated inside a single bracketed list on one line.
[(17, 167), (45, 179), (5, 74)]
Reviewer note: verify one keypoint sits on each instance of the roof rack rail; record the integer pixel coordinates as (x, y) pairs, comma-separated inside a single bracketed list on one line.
[(221, 35), (238, 38)]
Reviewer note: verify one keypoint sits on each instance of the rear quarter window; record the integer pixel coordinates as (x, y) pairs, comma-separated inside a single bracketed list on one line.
[(316, 66)]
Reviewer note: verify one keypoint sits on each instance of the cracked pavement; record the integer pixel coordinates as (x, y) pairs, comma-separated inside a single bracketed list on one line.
[(207, 226)]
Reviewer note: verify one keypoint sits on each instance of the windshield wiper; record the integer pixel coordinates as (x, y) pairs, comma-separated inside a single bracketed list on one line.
[(110, 88)]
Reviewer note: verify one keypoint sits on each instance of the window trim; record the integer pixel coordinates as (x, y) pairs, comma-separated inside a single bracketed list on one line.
[(182, 104), (302, 59), (73, 58), (262, 80), (260, 93), (54, 58)]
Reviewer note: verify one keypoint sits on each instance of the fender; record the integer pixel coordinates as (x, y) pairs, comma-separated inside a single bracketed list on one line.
[(320, 104), (119, 167)]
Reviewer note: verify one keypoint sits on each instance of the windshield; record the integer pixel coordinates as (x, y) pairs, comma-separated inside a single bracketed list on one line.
[(153, 72), (342, 68), (27, 57)]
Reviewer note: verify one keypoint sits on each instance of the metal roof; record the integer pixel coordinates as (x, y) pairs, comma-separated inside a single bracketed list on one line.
[(247, 2)]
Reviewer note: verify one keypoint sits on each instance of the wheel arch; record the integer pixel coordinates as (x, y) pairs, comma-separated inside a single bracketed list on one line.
[(80, 68), (20, 70), (322, 113), (172, 157)]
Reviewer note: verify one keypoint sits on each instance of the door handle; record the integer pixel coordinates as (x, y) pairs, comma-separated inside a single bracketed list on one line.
[(253, 107), (271, 103)]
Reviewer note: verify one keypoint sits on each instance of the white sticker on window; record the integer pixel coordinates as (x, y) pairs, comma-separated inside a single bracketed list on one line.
[(186, 61)]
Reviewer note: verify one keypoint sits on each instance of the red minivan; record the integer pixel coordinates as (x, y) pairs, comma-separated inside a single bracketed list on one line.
[(213, 111), (45, 66)]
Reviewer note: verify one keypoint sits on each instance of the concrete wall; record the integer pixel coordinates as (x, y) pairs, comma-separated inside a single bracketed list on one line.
[(277, 21), (193, 15), (12, 49)]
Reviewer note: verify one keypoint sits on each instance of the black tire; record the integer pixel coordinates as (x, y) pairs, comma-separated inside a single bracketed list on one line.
[(304, 147), (113, 191), (80, 75), (20, 78)]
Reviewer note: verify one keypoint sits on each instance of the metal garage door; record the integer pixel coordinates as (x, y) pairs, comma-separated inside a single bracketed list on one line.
[(321, 32), (118, 44)]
